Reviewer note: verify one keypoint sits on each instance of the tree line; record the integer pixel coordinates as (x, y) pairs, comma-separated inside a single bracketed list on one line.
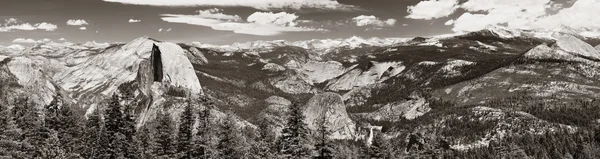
[(57, 131)]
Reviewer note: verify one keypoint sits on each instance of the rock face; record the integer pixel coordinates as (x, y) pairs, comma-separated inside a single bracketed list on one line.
[(102, 73), (378, 72), (319, 72), (23, 76), (577, 47), (330, 106), (410, 109), (276, 113)]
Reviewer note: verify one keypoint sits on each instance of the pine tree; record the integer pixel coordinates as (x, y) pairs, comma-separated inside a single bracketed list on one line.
[(377, 149), (131, 148), (184, 137), (147, 143), (202, 147), (230, 140), (164, 136), (34, 133), (264, 146), (9, 134), (93, 137), (323, 147), (294, 142), (115, 126), (66, 123)]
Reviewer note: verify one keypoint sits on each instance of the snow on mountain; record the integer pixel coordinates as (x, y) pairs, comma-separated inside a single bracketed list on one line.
[(598, 47), (503, 32), (451, 68), (320, 46)]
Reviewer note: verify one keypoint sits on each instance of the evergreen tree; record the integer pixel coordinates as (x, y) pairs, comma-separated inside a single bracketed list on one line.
[(323, 147), (115, 126), (263, 148), (33, 132), (377, 149), (66, 123), (164, 136), (93, 137), (202, 147), (184, 137), (147, 143), (230, 141), (294, 142), (9, 134), (129, 130)]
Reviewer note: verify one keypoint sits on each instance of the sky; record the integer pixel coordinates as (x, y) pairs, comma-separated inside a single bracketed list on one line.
[(228, 21)]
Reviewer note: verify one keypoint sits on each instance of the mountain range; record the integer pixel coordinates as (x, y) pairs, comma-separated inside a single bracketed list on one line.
[(494, 78)]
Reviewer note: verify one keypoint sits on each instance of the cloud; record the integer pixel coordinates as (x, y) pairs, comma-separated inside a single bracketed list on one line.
[(82, 28), (432, 9), (512, 13), (258, 4), (77, 22), (13, 24), (449, 22), (216, 13), (46, 26), (364, 20), (31, 41), (62, 39), (134, 20), (258, 23), (583, 14)]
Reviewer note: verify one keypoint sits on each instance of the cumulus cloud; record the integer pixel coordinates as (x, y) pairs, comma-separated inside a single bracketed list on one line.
[(31, 41), (530, 14), (258, 4), (134, 21), (77, 22), (62, 39), (82, 28), (364, 20), (583, 14), (258, 23), (449, 22), (13, 24), (432, 9), (513, 13)]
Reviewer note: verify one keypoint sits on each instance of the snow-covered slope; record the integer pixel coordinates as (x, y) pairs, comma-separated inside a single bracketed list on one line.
[(321, 46), (598, 47), (503, 32)]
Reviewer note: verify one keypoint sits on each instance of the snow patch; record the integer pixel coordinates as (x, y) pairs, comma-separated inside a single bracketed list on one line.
[(450, 69)]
